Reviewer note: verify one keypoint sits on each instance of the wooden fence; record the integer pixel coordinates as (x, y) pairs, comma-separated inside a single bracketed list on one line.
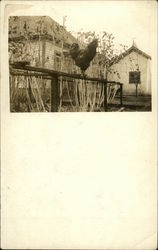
[(56, 77)]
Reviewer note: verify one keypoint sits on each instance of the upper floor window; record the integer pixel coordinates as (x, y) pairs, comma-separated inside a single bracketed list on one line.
[(134, 77)]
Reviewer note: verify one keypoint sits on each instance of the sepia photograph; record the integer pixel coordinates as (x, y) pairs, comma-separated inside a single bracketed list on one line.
[(61, 63), (79, 124)]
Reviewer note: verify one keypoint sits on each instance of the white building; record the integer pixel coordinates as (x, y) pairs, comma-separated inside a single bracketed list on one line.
[(132, 68)]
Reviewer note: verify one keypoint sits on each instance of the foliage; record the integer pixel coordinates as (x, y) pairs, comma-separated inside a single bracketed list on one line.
[(106, 49), (19, 46)]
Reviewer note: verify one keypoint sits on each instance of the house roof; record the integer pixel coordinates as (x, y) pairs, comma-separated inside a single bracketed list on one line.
[(34, 26), (128, 51)]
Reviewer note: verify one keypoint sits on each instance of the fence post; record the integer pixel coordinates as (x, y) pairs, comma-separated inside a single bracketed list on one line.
[(105, 97), (54, 94), (121, 94)]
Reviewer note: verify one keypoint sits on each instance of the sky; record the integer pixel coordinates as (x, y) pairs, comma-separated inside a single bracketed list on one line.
[(127, 20)]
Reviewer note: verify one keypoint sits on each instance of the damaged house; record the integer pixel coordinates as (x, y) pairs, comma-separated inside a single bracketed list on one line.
[(43, 42)]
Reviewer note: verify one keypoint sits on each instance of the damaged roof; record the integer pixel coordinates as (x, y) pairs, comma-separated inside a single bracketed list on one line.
[(35, 26)]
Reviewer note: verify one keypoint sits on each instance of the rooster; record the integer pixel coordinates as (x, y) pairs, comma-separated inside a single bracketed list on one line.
[(83, 57)]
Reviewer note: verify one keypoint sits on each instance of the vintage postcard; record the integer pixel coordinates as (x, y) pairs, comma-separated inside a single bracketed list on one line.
[(79, 124), (64, 66)]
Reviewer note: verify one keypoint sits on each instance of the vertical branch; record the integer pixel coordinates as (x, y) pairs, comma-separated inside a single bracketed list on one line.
[(43, 52)]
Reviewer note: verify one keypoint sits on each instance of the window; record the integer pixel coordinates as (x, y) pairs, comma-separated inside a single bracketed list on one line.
[(134, 77), (57, 61)]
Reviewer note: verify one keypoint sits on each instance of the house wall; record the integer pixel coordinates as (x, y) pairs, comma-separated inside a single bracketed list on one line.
[(132, 62), (26, 51), (54, 60), (50, 55)]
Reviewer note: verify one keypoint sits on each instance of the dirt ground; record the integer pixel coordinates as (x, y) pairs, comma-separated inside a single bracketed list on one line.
[(132, 103)]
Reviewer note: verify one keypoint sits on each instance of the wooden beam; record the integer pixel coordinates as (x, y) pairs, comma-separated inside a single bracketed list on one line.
[(58, 73), (55, 94), (121, 94), (105, 98), (44, 76)]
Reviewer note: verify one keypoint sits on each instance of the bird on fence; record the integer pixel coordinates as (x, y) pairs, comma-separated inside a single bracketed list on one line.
[(83, 57)]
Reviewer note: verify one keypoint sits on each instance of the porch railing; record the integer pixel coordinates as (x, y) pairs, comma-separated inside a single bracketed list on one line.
[(55, 76)]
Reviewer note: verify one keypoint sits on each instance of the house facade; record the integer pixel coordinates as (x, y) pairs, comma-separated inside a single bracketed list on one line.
[(133, 70), (39, 40), (44, 43)]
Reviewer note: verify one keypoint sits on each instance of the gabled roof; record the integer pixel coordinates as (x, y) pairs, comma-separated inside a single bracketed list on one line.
[(128, 51)]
